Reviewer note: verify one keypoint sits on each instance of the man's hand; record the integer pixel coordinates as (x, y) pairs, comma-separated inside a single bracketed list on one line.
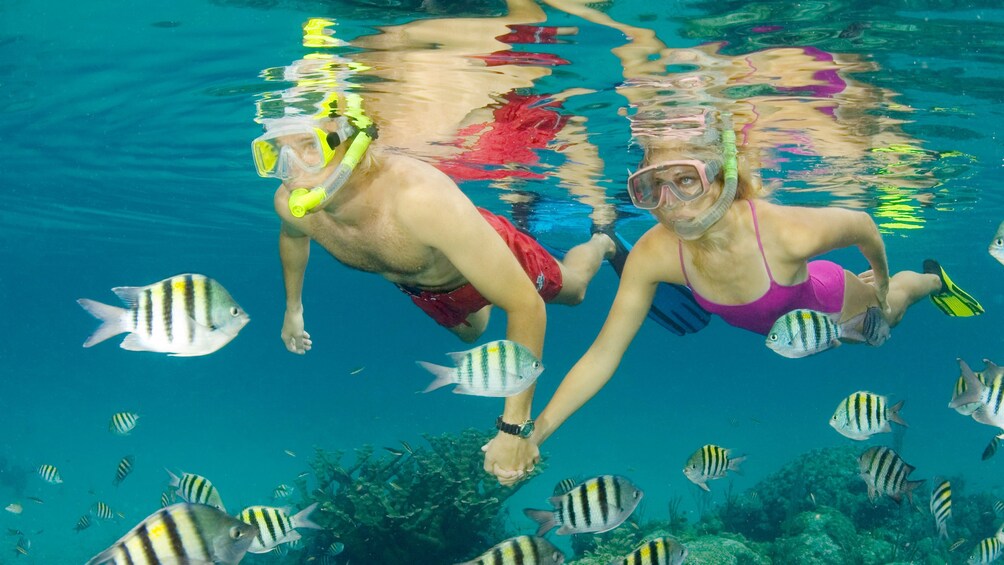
[(293, 337), (509, 458)]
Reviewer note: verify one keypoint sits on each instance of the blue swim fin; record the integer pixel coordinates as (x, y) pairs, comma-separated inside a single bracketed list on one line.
[(673, 307)]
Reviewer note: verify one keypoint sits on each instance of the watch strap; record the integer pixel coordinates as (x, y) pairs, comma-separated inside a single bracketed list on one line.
[(503, 426)]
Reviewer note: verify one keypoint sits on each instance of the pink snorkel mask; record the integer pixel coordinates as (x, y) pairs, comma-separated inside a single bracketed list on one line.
[(673, 183)]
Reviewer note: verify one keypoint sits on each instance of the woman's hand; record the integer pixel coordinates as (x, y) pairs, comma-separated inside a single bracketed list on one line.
[(881, 288)]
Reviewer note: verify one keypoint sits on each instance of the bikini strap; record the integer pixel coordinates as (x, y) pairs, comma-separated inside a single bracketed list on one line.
[(756, 228), (683, 264)]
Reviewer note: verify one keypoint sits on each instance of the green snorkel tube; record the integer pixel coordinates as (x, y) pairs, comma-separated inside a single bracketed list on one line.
[(303, 200), (695, 228)]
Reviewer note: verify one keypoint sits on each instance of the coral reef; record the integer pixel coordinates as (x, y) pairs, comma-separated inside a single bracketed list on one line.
[(435, 502)]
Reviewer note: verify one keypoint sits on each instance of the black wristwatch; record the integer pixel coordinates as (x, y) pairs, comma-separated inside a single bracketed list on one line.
[(523, 430)]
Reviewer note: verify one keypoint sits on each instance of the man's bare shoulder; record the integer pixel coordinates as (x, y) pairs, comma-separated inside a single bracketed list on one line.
[(291, 225), (420, 189)]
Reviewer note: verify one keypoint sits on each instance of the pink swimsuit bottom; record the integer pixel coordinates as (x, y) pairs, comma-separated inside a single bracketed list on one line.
[(822, 291)]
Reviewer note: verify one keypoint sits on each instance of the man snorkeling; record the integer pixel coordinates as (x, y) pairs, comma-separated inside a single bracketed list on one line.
[(384, 212)]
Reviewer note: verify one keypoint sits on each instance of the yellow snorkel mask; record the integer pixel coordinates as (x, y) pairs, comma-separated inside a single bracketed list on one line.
[(297, 143)]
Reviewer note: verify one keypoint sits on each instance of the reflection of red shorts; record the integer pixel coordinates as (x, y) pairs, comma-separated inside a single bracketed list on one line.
[(520, 127), (450, 309)]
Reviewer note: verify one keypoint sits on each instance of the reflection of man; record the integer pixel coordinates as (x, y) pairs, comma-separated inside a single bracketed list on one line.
[(395, 215)]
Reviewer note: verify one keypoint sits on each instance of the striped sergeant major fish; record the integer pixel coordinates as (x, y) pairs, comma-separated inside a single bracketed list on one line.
[(196, 489), (864, 414), (988, 397), (275, 526), (802, 332), (123, 470), (659, 551), (103, 511), (83, 523), (182, 533), (990, 372), (185, 315), (497, 368), (563, 486), (941, 507), (988, 550), (596, 505), (167, 498), (711, 462), (885, 472), (996, 247), (521, 550), (122, 423), (49, 474), (281, 491), (991, 449)]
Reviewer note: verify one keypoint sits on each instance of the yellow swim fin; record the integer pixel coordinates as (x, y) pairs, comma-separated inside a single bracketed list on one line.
[(952, 300)]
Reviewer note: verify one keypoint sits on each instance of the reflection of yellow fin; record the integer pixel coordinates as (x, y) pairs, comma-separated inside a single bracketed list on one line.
[(317, 34), (952, 300)]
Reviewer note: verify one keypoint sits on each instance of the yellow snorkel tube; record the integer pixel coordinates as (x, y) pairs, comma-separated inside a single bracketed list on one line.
[(694, 228), (304, 200)]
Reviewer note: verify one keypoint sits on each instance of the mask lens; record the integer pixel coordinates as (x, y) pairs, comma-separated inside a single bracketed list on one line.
[(667, 184), (266, 157), (644, 193), (280, 153), (685, 182), (307, 148)]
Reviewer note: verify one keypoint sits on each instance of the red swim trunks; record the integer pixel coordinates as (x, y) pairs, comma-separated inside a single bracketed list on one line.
[(451, 308)]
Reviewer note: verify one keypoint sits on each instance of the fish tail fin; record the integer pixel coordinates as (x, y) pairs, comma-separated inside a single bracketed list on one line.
[(302, 518), (735, 462), (175, 481), (909, 487), (974, 388), (853, 330), (543, 517), (111, 317), (875, 328), (894, 413), (444, 375)]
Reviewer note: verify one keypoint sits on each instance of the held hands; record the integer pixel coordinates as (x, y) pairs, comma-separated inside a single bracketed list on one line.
[(510, 458), (293, 337)]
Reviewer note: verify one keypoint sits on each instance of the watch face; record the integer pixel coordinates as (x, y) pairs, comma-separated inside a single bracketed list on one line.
[(526, 429)]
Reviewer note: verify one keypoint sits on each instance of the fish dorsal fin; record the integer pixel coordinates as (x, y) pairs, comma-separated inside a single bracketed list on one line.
[(128, 294)]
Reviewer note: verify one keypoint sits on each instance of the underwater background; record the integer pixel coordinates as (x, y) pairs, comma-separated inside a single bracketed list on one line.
[(129, 128)]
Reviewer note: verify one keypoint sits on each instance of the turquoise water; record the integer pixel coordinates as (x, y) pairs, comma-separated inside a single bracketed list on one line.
[(129, 163)]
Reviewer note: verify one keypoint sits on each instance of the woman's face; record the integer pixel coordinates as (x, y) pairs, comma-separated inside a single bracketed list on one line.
[(675, 186)]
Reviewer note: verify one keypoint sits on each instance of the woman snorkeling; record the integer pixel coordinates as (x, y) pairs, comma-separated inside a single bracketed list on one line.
[(746, 259)]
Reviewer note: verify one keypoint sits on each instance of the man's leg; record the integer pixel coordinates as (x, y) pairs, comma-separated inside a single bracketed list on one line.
[(580, 265)]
